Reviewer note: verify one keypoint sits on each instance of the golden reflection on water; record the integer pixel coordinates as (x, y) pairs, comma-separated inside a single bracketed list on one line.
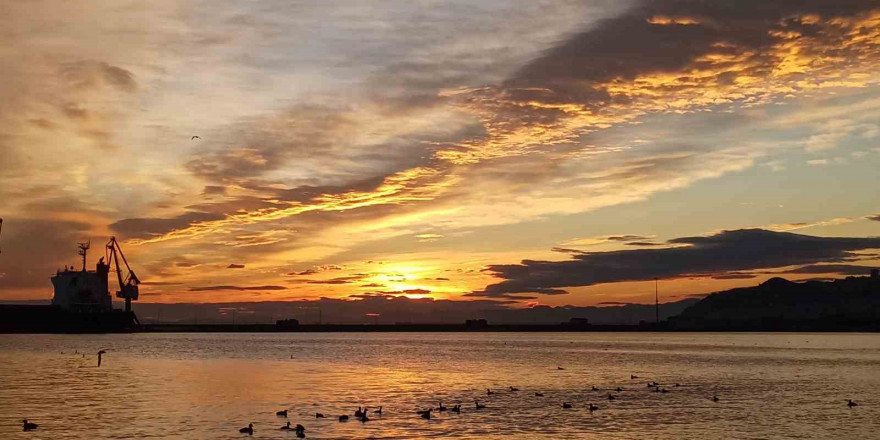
[(205, 386)]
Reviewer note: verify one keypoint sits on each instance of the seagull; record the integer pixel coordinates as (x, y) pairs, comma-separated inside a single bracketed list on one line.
[(715, 398), (281, 413), (560, 368), (456, 409), (633, 376), (849, 404), (566, 405), (379, 411), (359, 412), (619, 389), (249, 430), (286, 427), (478, 405), (319, 416), (441, 407), (593, 407), (300, 430), (514, 389), (610, 397), (489, 392), (194, 138), (539, 394), (426, 414), (343, 418), (33, 426), (594, 388), (101, 353)]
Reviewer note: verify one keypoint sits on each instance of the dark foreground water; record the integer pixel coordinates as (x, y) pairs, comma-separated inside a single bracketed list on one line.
[(206, 386)]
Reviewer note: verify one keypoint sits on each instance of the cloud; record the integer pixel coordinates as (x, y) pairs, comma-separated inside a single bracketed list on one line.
[(239, 288), (733, 276), (841, 269), (876, 217), (235, 266), (593, 241), (402, 292), (303, 272), (727, 251), (785, 227), (149, 227), (650, 59), (340, 280), (97, 74)]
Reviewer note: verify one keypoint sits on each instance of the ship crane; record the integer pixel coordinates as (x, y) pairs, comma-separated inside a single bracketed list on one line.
[(128, 286)]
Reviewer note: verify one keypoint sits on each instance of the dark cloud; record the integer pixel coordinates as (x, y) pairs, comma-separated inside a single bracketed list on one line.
[(644, 244), (627, 238), (340, 280), (586, 70), (240, 288), (566, 250), (727, 251), (148, 227), (235, 266), (842, 269), (626, 46), (403, 292), (733, 276), (876, 217)]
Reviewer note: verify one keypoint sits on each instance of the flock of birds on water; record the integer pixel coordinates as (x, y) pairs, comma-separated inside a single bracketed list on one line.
[(361, 413)]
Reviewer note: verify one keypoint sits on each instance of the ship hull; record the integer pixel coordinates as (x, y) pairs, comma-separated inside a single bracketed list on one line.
[(54, 319)]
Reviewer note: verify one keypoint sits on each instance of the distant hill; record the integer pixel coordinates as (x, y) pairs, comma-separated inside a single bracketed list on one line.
[(851, 304)]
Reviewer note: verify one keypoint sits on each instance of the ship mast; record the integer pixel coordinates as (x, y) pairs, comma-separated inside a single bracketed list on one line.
[(83, 250)]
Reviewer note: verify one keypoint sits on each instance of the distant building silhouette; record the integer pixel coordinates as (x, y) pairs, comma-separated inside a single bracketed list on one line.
[(473, 324), (287, 323), (579, 322)]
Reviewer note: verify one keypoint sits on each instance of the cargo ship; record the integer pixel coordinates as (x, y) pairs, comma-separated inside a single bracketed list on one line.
[(81, 302)]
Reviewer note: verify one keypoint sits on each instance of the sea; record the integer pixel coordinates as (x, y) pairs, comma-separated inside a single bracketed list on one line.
[(209, 385)]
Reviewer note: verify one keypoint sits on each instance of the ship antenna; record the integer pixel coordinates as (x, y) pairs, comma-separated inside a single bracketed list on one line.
[(83, 249)]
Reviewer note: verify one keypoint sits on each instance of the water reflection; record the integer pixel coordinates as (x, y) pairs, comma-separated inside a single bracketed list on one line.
[(201, 386)]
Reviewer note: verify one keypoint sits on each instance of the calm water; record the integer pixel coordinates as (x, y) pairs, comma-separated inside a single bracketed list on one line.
[(206, 386)]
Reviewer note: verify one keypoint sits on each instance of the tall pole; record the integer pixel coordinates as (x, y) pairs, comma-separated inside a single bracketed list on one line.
[(656, 300)]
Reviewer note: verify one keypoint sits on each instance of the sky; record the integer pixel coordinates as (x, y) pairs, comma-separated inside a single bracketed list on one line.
[(525, 152)]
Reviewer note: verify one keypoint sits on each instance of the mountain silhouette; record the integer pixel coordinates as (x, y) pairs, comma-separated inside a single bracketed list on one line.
[(851, 304)]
